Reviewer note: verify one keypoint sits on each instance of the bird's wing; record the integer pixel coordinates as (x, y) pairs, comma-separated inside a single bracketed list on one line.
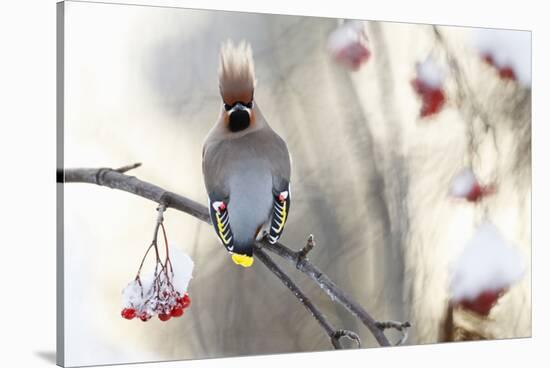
[(218, 196), (280, 161), (220, 219), (281, 207)]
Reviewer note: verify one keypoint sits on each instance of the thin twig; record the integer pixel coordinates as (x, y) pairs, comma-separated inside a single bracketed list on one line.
[(116, 180), (338, 334), (126, 168), (334, 335), (466, 94), (302, 254), (160, 218), (330, 288), (399, 326)]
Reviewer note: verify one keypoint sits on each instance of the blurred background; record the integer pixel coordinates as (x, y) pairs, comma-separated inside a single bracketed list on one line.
[(370, 178)]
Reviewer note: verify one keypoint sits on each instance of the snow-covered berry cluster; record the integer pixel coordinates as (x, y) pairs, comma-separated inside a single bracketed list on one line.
[(506, 51), (428, 84), (466, 185), (163, 292), (504, 71), (485, 270), (348, 45), (483, 302), (165, 302)]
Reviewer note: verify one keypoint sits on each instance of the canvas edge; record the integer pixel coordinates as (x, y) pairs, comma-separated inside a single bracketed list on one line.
[(60, 259)]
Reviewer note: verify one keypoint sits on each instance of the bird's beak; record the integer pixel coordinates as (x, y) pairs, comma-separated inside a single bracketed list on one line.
[(238, 107), (242, 259)]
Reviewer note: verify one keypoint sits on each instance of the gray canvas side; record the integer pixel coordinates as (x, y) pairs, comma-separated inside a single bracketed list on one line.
[(60, 285)]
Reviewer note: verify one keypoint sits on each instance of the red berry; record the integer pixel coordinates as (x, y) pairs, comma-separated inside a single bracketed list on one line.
[(164, 317), (489, 59), (507, 73), (353, 55), (475, 193), (432, 102), (128, 313), (478, 192), (432, 98), (418, 86), (145, 317), (176, 311), (484, 302), (185, 301)]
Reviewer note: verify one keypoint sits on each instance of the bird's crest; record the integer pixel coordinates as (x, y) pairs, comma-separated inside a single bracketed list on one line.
[(236, 72)]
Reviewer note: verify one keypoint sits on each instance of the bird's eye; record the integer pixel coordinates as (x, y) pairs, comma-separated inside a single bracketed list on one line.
[(249, 105), (227, 107)]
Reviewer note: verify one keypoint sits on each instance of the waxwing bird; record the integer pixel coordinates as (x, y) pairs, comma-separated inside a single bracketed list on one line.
[(246, 165)]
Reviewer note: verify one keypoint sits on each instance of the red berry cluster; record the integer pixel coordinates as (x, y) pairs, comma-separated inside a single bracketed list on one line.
[(504, 72), (176, 310), (483, 303), (163, 292), (166, 305), (433, 98), (348, 45), (465, 185), (353, 55)]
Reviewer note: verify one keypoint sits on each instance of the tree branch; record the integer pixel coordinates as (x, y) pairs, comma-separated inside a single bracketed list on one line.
[(329, 287), (333, 334), (116, 179), (468, 104)]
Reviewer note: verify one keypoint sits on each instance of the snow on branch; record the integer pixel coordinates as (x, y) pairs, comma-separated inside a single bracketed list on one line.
[(117, 179)]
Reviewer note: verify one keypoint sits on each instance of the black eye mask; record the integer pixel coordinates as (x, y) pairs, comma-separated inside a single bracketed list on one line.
[(229, 107)]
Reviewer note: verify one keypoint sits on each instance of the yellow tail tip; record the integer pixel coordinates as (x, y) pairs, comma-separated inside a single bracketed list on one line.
[(242, 259)]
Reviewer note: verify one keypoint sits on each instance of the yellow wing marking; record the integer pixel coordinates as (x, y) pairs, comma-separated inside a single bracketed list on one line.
[(283, 218), (221, 229)]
